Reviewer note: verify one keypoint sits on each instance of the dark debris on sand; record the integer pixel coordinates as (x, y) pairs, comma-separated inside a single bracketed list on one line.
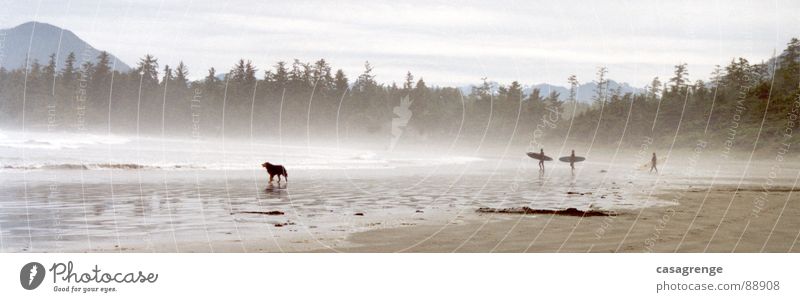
[(271, 213), (564, 212), (279, 225), (577, 193)]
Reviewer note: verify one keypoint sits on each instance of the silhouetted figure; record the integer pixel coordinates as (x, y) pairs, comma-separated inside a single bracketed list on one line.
[(653, 163), (572, 160), (541, 160)]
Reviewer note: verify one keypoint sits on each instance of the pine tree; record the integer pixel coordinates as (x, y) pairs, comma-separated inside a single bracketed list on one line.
[(167, 78), (249, 73), (573, 88), (340, 81), (421, 85), (210, 81), (68, 73), (50, 73), (655, 88), (409, 83), (321, 75), (102, 69), (601, 86), (281, 76), (366, 80), (148, 69), (679, 79), (238, 72), (181, 74)]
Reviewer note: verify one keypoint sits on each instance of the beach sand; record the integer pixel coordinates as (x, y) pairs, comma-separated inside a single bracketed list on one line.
[(402, 207), (715, 220)]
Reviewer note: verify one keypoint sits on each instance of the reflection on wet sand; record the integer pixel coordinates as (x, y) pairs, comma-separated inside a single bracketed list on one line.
[(199, 211)]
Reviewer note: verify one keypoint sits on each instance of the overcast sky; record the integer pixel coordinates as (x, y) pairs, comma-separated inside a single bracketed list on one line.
[(446, 42)]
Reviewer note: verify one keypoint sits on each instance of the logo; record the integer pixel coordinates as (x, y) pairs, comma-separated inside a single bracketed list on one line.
[(31, 275), (399, 123)]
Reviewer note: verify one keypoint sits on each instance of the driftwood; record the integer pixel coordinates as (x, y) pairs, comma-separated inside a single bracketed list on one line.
[(564, 212), (280, 225), (271, 213)]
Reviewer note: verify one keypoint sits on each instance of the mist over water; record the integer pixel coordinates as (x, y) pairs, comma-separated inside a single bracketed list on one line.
[(79, 191), (37, 150)]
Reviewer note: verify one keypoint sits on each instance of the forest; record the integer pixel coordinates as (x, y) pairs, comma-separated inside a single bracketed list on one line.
[(742, 102)]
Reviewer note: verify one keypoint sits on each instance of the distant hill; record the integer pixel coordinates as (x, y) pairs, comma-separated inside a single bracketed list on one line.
[(585, 91), (42, 40)]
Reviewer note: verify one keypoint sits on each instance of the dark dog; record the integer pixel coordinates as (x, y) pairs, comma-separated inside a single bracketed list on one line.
[(275, 170)]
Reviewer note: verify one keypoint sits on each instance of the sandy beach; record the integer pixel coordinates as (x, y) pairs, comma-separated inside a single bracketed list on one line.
[(715, 220), (129, 196), (207, 216)]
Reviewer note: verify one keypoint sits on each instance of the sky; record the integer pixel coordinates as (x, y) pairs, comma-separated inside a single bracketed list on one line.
[(445, 42)]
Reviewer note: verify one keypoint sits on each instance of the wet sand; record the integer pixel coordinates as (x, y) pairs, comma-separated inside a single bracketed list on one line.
[(703, 220), (718, 219), (400, 210)]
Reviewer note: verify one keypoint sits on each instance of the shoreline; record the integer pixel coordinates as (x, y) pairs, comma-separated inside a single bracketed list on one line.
[(690, 225)]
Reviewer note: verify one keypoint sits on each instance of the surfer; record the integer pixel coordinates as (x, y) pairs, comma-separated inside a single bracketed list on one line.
[(541, 159), (572, 160), (653, 163)]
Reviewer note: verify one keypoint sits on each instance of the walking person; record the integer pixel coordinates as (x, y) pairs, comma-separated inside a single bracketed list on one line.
[(572, 161), (653, 163), (541, 160)]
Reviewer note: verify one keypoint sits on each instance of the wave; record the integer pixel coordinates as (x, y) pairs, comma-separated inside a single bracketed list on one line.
[(98, 166), (56, 141), (330, 164)]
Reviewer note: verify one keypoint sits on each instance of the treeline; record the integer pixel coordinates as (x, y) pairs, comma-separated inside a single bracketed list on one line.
[(297, 99), (729, 110)]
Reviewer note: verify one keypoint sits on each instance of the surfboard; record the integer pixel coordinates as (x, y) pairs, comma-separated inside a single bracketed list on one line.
[(577, 158), (539, 156)]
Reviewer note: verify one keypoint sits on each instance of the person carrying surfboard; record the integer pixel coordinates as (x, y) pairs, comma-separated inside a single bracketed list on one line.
[(541, 159), (653, 163), (572, 160)]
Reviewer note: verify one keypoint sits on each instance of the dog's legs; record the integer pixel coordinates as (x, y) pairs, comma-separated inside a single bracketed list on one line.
[(270, 177)]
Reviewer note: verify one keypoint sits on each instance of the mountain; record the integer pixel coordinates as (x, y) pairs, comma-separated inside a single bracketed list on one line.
[(585, 91), (584, 95), (43, 40)]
